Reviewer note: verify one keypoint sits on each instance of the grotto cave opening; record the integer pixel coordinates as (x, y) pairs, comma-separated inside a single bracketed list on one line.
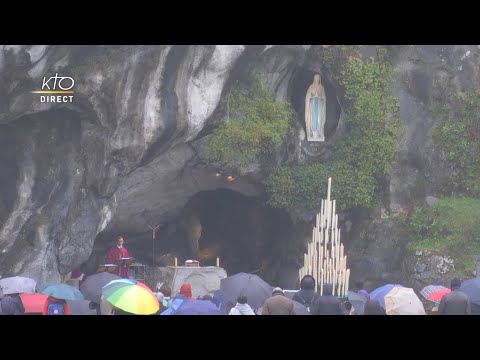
[(241, 231)]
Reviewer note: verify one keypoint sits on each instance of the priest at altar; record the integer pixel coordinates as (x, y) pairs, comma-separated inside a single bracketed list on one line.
[(115, 253)]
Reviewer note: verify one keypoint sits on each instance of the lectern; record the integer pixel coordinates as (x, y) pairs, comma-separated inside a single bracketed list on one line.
[(124, 262), (107, 267)]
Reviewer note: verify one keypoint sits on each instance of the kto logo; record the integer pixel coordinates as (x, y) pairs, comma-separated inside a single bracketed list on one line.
[(59, 85)]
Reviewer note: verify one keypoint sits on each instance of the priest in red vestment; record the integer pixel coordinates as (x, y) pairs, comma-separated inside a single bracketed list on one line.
[(116, 252)]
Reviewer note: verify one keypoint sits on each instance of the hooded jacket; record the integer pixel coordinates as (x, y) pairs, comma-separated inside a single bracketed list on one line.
[(186, 290), (241, 309)]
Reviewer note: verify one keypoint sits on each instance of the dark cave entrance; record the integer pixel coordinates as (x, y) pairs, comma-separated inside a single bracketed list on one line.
[(244, 234), (240, 230), (301, 80)]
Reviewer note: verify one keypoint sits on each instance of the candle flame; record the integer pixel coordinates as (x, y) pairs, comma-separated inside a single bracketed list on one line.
[(217, 174)]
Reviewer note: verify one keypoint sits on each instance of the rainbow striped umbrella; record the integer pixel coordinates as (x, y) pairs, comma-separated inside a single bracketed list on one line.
[(131, 296)]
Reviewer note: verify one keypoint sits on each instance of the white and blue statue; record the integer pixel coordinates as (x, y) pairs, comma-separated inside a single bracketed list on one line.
[(315, 110)]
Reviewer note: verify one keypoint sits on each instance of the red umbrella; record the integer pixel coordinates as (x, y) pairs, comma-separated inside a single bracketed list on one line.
[(438, 295), (34, 303)]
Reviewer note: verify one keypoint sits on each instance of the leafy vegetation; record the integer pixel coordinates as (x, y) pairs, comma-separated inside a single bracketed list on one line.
[(458, 141), (449, 226), (261, 127)]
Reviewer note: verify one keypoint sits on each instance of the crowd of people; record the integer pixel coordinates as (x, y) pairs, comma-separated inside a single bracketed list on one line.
[(452, 303)]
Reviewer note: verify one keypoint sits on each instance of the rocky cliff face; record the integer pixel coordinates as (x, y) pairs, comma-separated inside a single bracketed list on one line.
[(128, 151)]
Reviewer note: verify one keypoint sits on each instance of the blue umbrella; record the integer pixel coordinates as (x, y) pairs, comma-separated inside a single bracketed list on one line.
[(61, 291), (379, 293), (198, 307), (220, 300), (471, 288)]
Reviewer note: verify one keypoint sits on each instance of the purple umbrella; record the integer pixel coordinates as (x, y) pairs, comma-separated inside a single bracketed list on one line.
[(198, 307)]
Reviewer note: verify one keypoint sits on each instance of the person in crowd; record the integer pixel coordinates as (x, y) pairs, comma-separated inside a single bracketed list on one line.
[(327, 304), (455, 302), (373, 307), (167, 294), (278, 304), (349, 309), (116, 252), (12, 304), (229, 306), (105, 307), (54, 306), (77, 274), (242, 307), (307, 294), (161, 301), (95, 306), (186, 290), (359, 288)]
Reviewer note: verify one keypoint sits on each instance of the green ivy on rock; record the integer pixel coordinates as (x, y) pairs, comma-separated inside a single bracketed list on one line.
[(450, 226), (262, 125), (362, 156), (458, 142)]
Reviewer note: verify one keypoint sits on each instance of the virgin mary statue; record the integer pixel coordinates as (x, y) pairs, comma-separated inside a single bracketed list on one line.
[(315, 110)]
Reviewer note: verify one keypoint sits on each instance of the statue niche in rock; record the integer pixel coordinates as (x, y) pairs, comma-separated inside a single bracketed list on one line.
[(315, 110)]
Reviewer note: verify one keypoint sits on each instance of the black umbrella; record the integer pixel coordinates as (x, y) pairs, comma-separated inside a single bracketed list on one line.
[(92, 286), (252, 286), (80, 307)]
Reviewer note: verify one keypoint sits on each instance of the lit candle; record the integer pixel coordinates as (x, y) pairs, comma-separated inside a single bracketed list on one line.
[(319, 272), (321, 283), (329, 187), (218, 262), (333, 212), (327, 214), (328, 271), (334, 281), (321, 213), (305, 263), (347, 279), (338, 253), (333, 256)]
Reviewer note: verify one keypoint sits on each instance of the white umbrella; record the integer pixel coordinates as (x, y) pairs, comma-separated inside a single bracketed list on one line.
[(17, 285), (403, 301)]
